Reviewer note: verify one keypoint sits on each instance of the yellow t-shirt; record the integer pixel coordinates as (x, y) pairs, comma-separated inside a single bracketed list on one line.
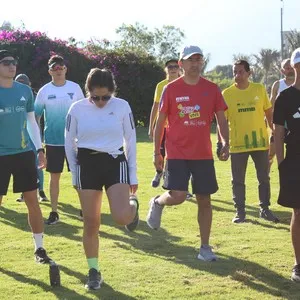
[(159, 89), (245, 115)]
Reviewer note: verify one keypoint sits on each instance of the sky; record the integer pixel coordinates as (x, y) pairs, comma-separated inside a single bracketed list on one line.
[(220, 28)]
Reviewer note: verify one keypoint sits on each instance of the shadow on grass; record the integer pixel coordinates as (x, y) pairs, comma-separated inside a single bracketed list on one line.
[(59, 292), (162, 245), (106, 291), (253, 212), (18, 220)]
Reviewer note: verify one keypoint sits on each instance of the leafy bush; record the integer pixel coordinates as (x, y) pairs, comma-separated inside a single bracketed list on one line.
[(136, 76)]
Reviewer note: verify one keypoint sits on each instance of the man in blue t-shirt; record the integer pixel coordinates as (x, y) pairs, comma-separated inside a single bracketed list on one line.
[(17, 123)]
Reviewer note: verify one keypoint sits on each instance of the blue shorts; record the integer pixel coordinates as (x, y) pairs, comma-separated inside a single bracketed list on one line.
[(202, 173)]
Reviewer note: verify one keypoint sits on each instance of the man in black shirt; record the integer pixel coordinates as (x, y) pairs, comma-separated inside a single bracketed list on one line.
[(287, 114)]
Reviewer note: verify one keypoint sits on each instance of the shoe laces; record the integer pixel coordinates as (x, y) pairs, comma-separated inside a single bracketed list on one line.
[(94, 275)]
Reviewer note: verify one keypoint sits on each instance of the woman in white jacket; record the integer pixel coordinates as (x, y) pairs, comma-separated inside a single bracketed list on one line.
[(100, 142)]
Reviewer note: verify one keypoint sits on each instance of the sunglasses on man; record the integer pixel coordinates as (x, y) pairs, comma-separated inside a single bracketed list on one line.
[(8, 62), (172, 67), (58, 68), (103, 98)]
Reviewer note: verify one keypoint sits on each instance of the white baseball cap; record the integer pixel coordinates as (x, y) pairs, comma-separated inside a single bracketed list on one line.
[(188, 51), (295, 58)]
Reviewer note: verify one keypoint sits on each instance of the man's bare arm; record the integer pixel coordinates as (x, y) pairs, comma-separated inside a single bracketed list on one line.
[(279, 133), (274, 92)]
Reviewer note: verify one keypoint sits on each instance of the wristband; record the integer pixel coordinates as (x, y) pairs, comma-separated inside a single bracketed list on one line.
[(40, 150)]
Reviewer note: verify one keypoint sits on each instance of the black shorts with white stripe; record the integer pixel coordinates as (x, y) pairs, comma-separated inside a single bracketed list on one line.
[(98, 169)]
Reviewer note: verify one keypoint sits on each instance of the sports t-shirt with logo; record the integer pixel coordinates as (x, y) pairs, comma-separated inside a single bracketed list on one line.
[(190, 110), (105, 129), (56, 101), (15, 103), (287, 111), (245, 114)]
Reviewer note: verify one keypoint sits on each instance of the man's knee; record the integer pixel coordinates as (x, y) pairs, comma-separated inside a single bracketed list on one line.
[(178, 197), (203, 200)]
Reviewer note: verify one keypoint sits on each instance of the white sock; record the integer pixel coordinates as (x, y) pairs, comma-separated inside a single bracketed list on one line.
[(38, 240)]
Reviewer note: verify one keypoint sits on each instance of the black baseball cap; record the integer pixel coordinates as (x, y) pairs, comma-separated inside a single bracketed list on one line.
[(6, 53), (56, 60)]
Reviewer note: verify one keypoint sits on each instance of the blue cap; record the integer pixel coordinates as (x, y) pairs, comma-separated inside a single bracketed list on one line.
[(188, 51)]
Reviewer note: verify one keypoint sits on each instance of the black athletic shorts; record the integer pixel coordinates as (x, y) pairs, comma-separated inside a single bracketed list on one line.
[(202, 173), (289, 181), (98, 169), (22, 167), (56, 157)]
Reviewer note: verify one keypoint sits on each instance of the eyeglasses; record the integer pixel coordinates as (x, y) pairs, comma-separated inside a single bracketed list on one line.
[(8, 62), (103, 98), (173, 67), (58, 68)]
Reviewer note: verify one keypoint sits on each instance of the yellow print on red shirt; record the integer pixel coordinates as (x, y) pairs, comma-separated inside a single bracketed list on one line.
[(192, 111)]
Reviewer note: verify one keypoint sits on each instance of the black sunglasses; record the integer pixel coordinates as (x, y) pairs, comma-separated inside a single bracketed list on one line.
[(171, 67), (8, 62), (104, 98)]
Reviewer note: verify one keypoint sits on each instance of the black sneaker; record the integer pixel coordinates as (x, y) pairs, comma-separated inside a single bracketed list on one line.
[(267, 214), (41, 256), (53, 218), (133, 225), (296, 273), (94, 280), (239, 217), (43, 196), (21, 198)]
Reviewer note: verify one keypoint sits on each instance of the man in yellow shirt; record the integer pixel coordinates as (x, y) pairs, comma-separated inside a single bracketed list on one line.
[(248, 105), (172, 72)]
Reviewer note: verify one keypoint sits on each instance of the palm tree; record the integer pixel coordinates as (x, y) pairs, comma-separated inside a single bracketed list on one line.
[(241, 56), (292, 39), (267, 60)]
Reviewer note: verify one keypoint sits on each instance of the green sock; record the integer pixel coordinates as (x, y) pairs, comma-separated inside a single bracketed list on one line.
[(93, 263)]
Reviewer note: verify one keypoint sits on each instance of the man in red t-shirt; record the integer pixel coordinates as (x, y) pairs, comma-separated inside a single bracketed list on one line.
[(189, 104)]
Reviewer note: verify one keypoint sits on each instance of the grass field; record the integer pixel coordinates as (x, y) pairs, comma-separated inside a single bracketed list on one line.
[(255, 258)]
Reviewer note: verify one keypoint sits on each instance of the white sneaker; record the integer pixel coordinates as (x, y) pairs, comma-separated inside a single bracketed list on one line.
[(206, 254), (154, 214)]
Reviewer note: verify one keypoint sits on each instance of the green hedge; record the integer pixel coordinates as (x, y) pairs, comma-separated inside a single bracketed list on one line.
[(136, 76)]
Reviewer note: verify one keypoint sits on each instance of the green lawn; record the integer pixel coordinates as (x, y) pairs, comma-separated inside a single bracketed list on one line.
[(255, 258)]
